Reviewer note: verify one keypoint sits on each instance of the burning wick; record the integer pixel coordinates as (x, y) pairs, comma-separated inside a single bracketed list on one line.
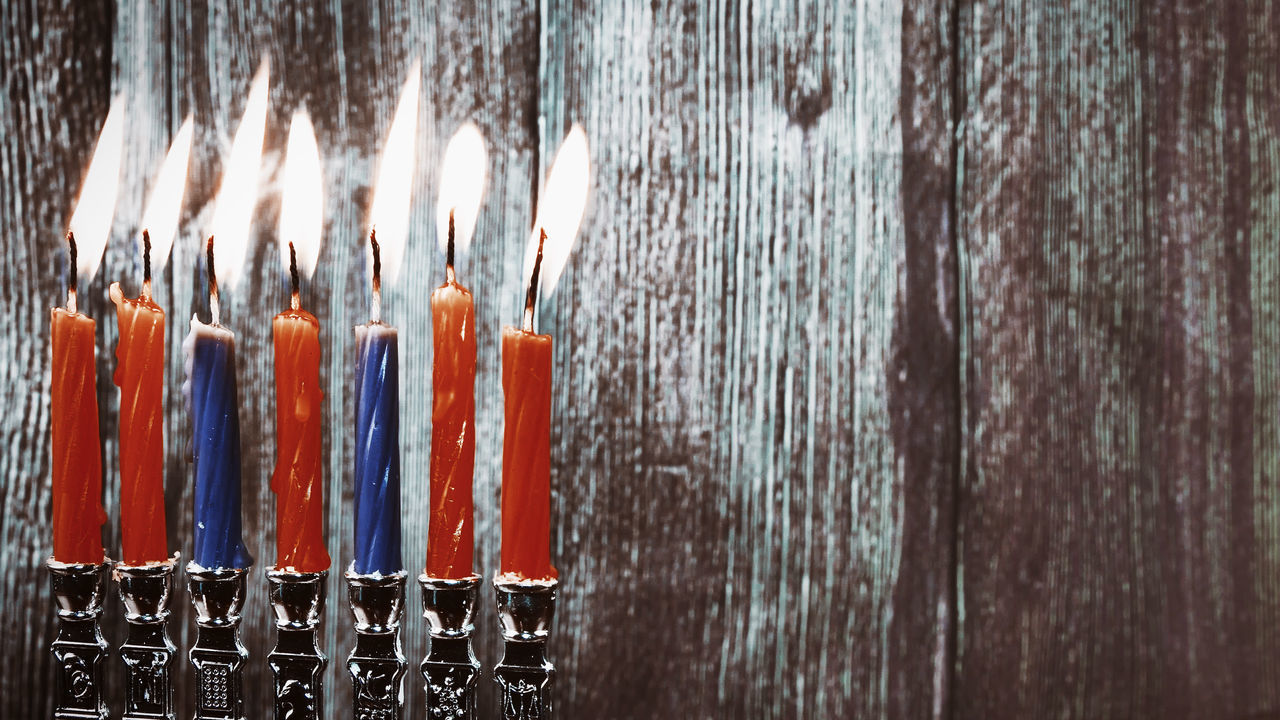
[(295, 301), (72, 271), (146, 265), (376, 305), (449, 276), (214, 309), (531, 297)]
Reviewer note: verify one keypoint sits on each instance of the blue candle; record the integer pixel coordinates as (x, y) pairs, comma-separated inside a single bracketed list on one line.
[(215, 445), (377, 472)]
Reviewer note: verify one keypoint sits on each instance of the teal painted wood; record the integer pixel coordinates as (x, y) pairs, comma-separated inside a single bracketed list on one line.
[(1117, 228)]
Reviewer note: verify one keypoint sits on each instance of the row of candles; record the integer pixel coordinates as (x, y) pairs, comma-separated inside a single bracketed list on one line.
[(210, 386)]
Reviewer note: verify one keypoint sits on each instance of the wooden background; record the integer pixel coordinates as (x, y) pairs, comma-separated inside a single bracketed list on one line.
[(917, 359)]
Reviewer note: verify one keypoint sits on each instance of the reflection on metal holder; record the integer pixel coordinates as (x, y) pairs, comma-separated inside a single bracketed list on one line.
[(147, 653), (297, 600), (218, 655), (450, 668), (79, 648), (525, 611), (376, 664)]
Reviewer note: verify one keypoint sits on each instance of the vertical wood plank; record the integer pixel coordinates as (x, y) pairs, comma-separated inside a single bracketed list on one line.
[(1117, 504), (751, 433)]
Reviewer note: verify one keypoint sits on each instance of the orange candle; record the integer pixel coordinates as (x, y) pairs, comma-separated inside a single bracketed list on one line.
[(450, 538), (526, 455), (77, 459), (298, 478), (140, 376)]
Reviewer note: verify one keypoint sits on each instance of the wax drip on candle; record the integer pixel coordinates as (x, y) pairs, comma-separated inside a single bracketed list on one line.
[(295, 299), (449, 275), (215, 309), (531, 297), (146, 265), (74, 276), (375, 311)]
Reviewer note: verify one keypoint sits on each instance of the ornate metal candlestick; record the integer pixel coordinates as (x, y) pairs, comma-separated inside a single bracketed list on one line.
[(376, 664), (525, 610), (218, 655), (450, 668), (148, 652), (298, 602), (79, 647)]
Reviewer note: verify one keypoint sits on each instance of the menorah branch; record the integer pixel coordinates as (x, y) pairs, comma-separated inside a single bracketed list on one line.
[(525, 611), (79, 647), (377, 666), (218, 655), (147, 653)]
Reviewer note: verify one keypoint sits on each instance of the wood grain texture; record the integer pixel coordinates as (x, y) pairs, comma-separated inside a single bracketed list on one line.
[(1117, 227), (917, 359)]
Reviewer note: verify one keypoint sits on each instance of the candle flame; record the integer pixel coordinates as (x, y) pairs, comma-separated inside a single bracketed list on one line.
[(461, 187), (564, 198), (238, 193), (91, 220), (164, 203), (302, 207), (389, 211)]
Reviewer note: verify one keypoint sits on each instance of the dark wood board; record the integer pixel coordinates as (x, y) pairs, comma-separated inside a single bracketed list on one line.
[(1117, 210)]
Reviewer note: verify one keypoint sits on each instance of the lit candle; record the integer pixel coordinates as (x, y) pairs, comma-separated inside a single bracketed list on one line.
[(140, 372), (298, 480), (377, 376), (215, 437), (526, 375), (450, 538), (210, 387), (76, 459)]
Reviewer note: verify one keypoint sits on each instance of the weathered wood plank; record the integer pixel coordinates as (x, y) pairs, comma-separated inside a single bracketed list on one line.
[(756, 428), (1117, 234)]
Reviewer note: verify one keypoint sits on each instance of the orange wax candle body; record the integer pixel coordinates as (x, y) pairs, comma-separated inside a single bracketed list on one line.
[(77, 459), (140, 376), (450, 536), (526, 456), (298, 474)]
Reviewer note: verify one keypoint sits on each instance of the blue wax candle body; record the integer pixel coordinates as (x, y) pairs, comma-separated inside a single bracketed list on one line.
[(215, 446), (377, 472)]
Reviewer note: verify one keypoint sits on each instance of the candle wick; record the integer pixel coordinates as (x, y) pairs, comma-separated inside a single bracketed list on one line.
[(376, 305), (215, 309), (449, 275), (72, 272), (146, 264), (531, 297), (295, 300)]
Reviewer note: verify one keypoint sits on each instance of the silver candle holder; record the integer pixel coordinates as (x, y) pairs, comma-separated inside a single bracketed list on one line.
[(525, 611), (147, 652), (377, 666), (450, 669), (297, 599), (79, 647), (218, 655)]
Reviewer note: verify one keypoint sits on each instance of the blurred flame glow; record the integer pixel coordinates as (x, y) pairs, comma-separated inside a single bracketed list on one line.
[(302, 207), (563, 200), (238, 193), (91, 221), (389, 211), (164, 203), (461, 188)]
